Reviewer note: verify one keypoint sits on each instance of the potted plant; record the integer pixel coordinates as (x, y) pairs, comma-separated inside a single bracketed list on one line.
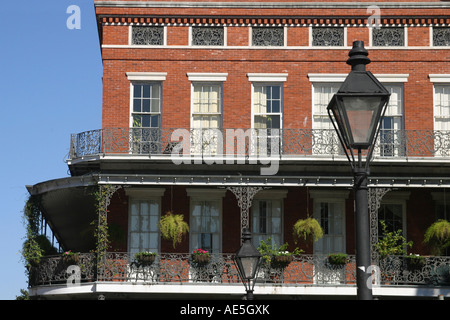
[(145, 258), (437, 236), (391, 243), (307, 230), (276, 257), (200, 257), (173, 227), (337, 259), (414, 262), (70, 258)]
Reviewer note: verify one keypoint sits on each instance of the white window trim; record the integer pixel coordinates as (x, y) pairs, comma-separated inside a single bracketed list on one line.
[(340, 77), (437, 79), (206, 78), (146, 76), (269, 78)]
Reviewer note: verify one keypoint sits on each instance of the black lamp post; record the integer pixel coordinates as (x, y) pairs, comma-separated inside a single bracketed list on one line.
[(248, 261), (356, 111)]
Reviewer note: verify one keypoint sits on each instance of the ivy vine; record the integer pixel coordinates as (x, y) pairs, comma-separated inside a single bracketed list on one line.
[(32, 251)]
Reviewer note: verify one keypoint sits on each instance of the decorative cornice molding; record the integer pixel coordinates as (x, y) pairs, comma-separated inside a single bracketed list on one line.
[(270, 21)]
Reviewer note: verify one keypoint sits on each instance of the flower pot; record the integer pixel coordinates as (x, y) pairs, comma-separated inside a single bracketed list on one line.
[(146, 260), (201, 259), (281, 261)]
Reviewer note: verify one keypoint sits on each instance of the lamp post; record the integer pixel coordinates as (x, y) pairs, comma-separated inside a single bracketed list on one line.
[(248, 261), (356, 111)]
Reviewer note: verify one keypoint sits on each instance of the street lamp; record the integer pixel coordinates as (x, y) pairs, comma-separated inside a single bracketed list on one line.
[(248, 260), (356, 111)]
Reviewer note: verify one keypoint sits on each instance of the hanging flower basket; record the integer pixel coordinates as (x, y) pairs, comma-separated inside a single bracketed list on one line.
[(281, 261)]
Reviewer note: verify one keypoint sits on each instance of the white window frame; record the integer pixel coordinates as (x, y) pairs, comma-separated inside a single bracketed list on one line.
[(201, 194), (438, 80), (144, 194), (275, 79)]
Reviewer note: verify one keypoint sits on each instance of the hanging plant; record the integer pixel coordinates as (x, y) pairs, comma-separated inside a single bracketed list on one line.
[(307, 230), (173, 227), (438, 236)]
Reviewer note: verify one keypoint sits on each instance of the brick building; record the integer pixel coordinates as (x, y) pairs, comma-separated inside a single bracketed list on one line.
[(217, 111)]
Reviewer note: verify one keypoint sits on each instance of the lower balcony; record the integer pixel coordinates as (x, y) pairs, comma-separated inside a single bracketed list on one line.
[(178, 275)]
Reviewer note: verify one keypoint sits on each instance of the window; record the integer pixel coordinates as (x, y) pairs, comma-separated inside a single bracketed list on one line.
[(206, 219), (323, 92), (145, 111), (442, 107), (207, 105), (330, 215), (325, 138), (144, 214), (392, 215), (267, 36), (328, 36), (147, 36), (267, 221), (388, 37), (267, 111), (206, 121), (391, 130), (208, 36), (441, 36), (146, 117)]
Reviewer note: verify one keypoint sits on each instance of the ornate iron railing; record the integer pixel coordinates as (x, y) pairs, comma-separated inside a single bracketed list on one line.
[(251, 142), (220, 269)]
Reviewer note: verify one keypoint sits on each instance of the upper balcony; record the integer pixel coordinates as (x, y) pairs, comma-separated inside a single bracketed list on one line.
[(242, 146)]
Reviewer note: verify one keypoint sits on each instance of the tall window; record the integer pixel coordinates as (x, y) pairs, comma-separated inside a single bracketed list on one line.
[(267, 111), (325, 137), (205, 229), (391, 134), (207, 105), (144, 215), (392, 215), (206, 118), (267, 221), (146, 117), (329, 210), (442, 107), (330, 215)]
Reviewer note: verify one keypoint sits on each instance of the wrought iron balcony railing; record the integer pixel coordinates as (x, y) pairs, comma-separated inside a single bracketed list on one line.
[(251, 142), (220, 269)]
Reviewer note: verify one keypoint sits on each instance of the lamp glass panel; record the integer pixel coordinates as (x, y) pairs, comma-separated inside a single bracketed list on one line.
[(362, 115), (249, 265)]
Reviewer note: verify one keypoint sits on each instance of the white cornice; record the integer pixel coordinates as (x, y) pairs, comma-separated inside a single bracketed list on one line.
[(270, 5)]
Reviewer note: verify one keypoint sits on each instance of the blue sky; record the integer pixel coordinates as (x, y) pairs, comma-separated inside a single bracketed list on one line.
[(50, 87)]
